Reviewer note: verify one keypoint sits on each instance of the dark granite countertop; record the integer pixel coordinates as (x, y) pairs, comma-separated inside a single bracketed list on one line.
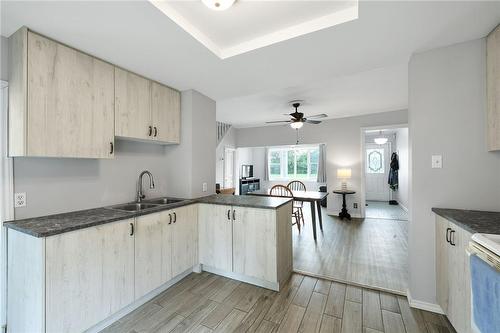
[(245, 201), (51, 225), (474, 221)]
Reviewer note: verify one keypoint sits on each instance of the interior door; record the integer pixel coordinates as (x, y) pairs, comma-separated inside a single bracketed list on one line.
[(228, 167), (215, 236), (377, 171)]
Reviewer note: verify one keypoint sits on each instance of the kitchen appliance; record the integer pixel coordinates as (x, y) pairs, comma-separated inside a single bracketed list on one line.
[(484, 251)]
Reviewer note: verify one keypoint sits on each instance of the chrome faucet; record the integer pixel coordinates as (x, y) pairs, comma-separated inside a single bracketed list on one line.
[(140, 195)]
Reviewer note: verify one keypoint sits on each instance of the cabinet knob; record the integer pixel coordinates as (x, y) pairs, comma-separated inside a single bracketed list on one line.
[(150, 131)]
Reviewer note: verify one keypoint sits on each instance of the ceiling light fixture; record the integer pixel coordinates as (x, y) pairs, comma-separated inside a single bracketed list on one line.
[(380, 140), (296, 124), (218, 4)]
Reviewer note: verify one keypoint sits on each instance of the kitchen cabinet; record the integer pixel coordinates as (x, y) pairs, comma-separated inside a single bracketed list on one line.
[(71, 281), (253, 245), (184, 238), (152, 252), (493, 88), (132, 105), (453, 273), (215, 236), (61, 101), (165, 113), (145, 110)]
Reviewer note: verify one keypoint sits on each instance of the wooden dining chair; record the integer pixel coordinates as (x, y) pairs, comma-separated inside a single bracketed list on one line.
[(297, 185), (283, 191)]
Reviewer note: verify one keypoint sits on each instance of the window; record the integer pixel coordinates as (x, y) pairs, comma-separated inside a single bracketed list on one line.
[(293, 163), (375, 160)]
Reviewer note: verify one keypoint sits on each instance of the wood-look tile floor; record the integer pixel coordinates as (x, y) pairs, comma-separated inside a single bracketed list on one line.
[(209, 303), (369, 252)]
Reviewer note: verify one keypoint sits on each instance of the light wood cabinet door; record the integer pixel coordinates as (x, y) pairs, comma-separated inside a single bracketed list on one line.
[(254, 243), (493, 88), (215, 236), (152, 252), (89, 276), (70, 102), (442, 270), (132, 106), (165, 113), (184, 239)]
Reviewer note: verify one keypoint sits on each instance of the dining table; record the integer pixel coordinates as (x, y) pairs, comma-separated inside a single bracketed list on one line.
[(313, 197)]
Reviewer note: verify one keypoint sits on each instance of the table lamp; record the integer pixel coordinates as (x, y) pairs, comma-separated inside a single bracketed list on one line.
[(344, 174)]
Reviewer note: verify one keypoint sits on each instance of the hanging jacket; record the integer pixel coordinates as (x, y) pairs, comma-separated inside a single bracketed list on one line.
[(393, 172)]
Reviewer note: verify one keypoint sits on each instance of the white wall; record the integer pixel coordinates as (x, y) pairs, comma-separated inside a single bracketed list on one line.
[(401, 195), (343, 146), (447, 116), (4, 58), (192, 163), (55, 185), (228, 141)]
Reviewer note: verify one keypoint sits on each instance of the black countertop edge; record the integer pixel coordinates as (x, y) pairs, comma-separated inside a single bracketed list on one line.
[(474, 221), (50, 225)]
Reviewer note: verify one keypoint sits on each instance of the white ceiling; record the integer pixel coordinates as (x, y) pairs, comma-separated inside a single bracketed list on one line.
[(379, 90), (139, 37), (249, 25)]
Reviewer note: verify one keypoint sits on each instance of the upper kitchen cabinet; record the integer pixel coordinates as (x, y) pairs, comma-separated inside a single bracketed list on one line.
[(61, 101), (145, 110), (493, 83), (165, 113)]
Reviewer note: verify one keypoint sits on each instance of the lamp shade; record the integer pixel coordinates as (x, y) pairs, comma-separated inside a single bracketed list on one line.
[(344, 173)]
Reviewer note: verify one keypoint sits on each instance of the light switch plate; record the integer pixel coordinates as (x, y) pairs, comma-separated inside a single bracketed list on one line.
[(205, 187), (437, 161), (20, 199)]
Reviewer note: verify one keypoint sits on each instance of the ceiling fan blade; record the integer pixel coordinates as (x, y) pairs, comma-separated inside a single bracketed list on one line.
[(277, 121), (309, 121), (318, 116)]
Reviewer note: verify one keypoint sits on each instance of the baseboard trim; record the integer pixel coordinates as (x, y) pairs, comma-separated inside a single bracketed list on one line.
[(131, 307), (431, 307)]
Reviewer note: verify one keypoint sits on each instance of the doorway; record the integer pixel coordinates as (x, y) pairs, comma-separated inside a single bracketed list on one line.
[(385, 173), (229, 167)]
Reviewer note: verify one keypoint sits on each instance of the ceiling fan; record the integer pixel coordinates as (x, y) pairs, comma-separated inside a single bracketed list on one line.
[(298, 120)]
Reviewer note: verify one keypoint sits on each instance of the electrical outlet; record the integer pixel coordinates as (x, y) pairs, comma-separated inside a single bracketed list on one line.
[(205, 187), (355, 205), (20, 199), (437, 161)]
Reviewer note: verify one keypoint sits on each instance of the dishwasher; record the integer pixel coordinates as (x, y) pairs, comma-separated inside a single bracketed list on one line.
[(484, 251)]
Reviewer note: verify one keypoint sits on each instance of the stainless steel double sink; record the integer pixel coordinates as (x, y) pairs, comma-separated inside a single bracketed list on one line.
[(146, 204)]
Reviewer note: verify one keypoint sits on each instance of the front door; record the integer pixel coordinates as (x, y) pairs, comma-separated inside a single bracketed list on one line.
[(377, 171), (228, 167)]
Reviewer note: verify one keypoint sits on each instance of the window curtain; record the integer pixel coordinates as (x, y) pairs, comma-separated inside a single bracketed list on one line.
[(6, 197), (266, 165), (322, 164)]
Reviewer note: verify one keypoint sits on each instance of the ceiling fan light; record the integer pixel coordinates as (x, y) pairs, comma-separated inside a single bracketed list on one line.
[(218, 4), (380, 141), (296, 124)]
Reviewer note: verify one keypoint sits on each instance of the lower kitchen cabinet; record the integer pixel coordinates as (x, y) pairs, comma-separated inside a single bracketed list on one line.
[(184, 233), (250, 244), (453, 273), (153, 240), (72, 281)]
